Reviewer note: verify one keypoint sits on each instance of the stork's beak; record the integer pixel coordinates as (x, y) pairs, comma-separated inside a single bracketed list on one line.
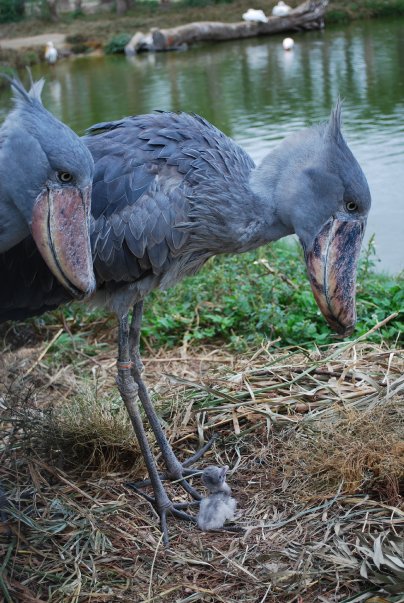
[(59, 226), (332, 264)]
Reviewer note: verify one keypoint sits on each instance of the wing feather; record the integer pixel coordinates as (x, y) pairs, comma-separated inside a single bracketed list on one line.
[(158, 179)]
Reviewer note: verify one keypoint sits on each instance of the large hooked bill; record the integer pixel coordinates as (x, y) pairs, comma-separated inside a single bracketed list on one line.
[(332, 265), (60, 228)]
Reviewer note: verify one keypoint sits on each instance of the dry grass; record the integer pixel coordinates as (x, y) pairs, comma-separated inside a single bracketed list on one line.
[(314, 439)]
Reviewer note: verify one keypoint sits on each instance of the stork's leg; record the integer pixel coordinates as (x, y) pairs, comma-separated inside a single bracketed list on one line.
[(129, 390), (176, 471)]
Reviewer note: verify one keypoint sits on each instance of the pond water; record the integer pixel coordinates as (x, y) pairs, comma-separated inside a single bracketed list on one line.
[(257, 93)]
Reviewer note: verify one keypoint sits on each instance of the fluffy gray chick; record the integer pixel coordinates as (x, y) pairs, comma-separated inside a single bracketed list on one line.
[(219, 506)]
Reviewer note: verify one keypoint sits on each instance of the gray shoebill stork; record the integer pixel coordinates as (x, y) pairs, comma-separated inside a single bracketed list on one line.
[(169, 192), (45, 189)]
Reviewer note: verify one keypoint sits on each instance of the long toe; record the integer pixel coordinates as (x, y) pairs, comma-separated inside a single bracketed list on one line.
[(199, 453), (137, 487), (182, 481), (164, 507), (179, 472)]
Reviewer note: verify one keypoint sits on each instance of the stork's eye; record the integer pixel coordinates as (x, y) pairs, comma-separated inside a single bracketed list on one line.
[(65, 177), (351, 206)]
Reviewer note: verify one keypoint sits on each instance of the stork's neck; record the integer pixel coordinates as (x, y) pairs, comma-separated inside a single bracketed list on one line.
[(223, 488), (237, 218), (267, 196), (13, 191)]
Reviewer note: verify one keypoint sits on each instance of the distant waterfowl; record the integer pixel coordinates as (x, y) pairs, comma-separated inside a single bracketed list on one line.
[(51, 53), (255, 15), (281, 9)]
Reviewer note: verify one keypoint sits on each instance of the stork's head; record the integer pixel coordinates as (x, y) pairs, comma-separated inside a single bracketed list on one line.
[(48, 183), (214, 478), (322, 195)]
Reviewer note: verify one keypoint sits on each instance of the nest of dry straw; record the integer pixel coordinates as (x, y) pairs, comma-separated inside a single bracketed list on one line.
[(315, 442)]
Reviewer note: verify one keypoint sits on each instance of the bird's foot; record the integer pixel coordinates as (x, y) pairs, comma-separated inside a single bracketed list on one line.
[(178, 472), (164, 506)]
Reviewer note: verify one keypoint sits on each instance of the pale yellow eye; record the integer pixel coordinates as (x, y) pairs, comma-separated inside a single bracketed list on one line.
[(351, 206), (65, 177)]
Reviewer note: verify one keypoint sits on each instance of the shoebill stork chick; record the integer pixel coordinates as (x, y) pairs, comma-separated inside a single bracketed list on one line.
[(219, 506)]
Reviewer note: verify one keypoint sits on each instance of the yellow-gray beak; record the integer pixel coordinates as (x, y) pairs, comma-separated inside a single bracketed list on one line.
[(332, 265), (60, 228)]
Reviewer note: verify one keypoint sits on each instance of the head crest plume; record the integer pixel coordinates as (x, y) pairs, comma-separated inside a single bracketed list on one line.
[(334, 123), (20, 93)]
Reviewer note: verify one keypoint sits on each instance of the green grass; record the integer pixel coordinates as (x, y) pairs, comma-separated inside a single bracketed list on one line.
[(346, 10), (242, 300)]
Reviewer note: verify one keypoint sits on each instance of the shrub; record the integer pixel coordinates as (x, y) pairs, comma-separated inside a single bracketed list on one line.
[(117, 44), (11, 10)]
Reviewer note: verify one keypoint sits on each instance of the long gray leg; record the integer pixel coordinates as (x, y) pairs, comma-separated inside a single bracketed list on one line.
[(129, 390), (176, 470)]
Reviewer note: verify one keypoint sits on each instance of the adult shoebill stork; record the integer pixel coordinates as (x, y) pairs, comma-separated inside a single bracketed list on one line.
[(45, 189), (169, 192)]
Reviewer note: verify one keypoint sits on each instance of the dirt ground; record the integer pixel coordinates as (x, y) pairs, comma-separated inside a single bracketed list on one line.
[(33, 41)]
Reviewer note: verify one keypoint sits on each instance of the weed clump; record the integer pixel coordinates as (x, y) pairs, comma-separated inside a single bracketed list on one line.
[(360, 452), (89, 433), (92, 432)]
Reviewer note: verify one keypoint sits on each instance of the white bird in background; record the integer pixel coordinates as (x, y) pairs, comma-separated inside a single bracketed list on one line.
[(288, 44), (255, 15), (219, 506), (51, 53), (281, 9)]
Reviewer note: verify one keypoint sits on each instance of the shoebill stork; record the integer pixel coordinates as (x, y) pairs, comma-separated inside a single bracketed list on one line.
[(169, 192), (46, 176)]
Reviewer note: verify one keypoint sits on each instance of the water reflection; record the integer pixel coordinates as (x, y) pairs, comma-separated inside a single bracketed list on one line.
[(257, 93)]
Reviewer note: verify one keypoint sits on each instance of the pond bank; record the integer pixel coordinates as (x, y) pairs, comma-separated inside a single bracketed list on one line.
[(89, 33)]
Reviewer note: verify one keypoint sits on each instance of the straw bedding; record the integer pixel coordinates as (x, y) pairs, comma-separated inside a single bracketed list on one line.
[(315, 444)]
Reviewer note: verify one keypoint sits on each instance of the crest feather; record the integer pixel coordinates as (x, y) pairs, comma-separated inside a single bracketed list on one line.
[(20, 93), (335, 121)]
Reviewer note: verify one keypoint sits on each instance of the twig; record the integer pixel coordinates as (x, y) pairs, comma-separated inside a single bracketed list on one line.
[(43, 353), (149, 594)]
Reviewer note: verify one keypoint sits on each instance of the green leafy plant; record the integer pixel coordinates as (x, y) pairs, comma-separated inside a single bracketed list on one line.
[(265, 294), (11, 10), (241, 300), (117, 43)]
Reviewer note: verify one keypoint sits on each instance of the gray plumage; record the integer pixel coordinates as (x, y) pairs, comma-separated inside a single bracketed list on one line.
[(34, 148), (165, 221), (219, 506), (45, 188), (169, 192)]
